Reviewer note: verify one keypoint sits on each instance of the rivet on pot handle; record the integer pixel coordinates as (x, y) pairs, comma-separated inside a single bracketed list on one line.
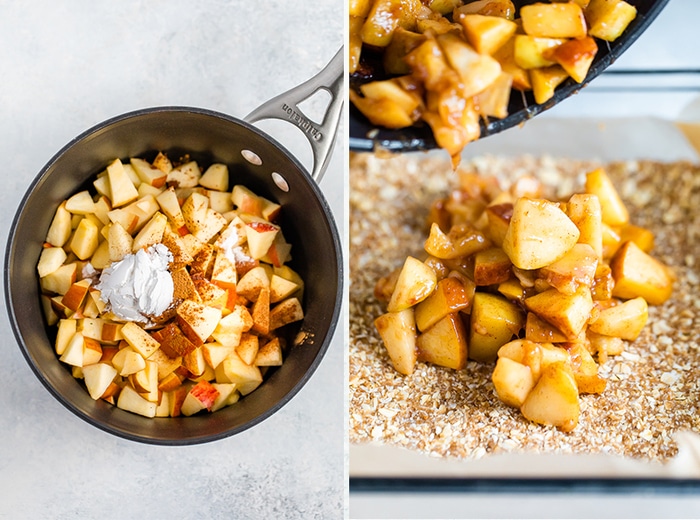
[(285, 107)]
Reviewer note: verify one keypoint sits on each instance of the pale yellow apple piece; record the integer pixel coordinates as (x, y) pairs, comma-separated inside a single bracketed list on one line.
[(120, 242), (248, 348), (532, 52), (450, 295), (131, 401), (197, 321), (608, 19), (260, 236), (539, 233), (625, 320), (127, 361), (554, 399), (74, 352), (230, 328), (227, 395), (245, 201), (100, 258), (415, 282), (246, 377), (169, 205), (477, 71), (445, 343), (215, 177), (286, 312), (567, 312), (51, 258), (585, 212), (147, 173), (67, 328), (98, 377), (613, 210), (140, 340), (545, 81), (269, 354), (637, 273), (493, 323), (577, 268), (487, 33), (121, 188), (461, 240), (553, 20), (85, 239), (387, 103), (220, 201), (281, 288), (398, 332), (151, 233), (512, 381), (214, 353), (185, 176), (60, 280), (60, 229), (194, 211), (80, 203), (252, 282)]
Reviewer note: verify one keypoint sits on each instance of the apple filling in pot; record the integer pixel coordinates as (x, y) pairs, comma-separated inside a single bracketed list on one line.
[(544, 289), (169, 293)]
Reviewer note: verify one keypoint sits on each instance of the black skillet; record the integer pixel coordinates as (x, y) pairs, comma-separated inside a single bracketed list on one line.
[(366, 137)]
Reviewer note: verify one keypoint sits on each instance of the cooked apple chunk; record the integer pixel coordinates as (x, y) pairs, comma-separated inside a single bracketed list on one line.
[(398, 332)]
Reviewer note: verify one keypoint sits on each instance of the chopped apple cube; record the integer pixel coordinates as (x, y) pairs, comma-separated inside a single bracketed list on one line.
[(85, 239), (246, 377), (512, 381), (415, 283), (607, 19), (398, 332), (121, 188), (539, 234), (131, 401), (553, 20), (554, 399), (140, 340), (51, 259), (637, 273), (445, 343), (494, 322), (60, 229), (98, 378)]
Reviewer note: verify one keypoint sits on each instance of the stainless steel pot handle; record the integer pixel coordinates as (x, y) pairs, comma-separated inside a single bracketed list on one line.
[(285, 107)]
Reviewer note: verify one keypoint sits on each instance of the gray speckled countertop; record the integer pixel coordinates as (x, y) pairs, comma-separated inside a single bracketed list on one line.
[(66, 67)]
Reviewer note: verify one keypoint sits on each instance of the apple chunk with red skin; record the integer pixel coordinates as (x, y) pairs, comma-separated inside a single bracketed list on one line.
[(260, 236), (200, 397)]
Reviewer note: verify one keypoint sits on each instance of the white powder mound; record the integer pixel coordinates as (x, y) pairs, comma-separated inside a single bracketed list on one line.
[(139, 286)]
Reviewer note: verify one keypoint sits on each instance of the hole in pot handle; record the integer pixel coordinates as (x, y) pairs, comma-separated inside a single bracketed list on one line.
[(286, 108)]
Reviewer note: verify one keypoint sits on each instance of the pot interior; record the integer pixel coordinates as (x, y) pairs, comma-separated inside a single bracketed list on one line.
[(208, 137)]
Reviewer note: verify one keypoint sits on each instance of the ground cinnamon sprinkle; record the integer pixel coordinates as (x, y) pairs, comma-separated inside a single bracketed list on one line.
[(653, 388)]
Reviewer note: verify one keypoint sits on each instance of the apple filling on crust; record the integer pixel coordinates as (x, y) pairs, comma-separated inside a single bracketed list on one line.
[(229, 288), (545, 289)]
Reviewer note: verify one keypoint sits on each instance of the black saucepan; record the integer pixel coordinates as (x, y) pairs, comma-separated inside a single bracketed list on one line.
[(255, 160), (365, 137)]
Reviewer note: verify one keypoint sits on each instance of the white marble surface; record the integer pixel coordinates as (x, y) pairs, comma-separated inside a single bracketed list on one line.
[(67, 66)]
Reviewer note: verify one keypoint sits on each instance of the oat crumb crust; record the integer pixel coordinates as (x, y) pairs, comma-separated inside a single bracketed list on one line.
[(653, 387)]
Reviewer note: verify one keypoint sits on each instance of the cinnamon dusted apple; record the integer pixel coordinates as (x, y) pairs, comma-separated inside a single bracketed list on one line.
[(513, 277), (170, 293)]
